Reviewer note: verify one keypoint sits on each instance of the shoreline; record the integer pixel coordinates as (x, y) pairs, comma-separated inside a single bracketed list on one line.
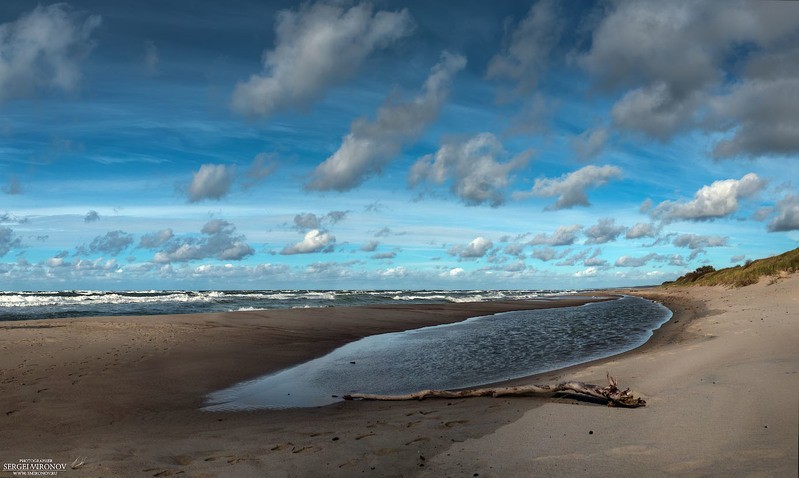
[(125, 392)]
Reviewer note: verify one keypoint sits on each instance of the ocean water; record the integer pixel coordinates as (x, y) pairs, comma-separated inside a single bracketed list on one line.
[(471, 353), (86, 303)]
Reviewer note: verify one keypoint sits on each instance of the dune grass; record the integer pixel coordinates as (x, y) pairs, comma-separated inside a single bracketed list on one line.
[(740, 276)]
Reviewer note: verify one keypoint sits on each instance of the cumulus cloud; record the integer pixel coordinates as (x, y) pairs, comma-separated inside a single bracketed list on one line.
[(547, 254), (219, 240), (605, 230), (718, 200), (306, 221), (454, 272), (156, 239), (698, 243), (528, 51), (8, 240), (574, 258), (563, 236), (588, 144), (628, 261), (384, 255), (317, 46), (472, 167), (370, 246), (10, 218), (371, 145), (515, 250), (112, 243), (91, 216), (43, 49), (642, 229), (571, 188), (654, 110), (762, 116), (671, 57), (588, 272), (477, 248), (594, 260), (787, 218), (211, 181), (314, 241)]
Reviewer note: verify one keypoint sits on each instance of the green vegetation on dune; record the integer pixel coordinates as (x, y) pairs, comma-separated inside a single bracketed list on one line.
[(740, 276)]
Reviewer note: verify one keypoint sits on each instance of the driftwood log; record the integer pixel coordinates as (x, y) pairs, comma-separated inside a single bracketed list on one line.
[(611, 393)]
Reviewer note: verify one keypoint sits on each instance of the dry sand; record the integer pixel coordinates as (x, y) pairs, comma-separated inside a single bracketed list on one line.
[(721, 380)]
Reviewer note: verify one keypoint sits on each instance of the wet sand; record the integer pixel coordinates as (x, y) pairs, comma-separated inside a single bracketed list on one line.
[(124, 394)]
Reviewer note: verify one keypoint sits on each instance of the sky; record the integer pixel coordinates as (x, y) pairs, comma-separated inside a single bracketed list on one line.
[(393, 144)]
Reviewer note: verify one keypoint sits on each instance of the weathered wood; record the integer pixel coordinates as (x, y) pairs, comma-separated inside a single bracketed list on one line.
[(611, 393)]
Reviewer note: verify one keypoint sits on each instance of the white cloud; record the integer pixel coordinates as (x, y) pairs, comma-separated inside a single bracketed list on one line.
[(370, 246), (212, 181), (91, 216), (156, 239), (371, 145), (640, 230), (515, 249), (671, 57), (478, 247), (314, 241), (455, 272), (628, 261), (384, 255), (571, 188), (787, 215), (589, 272), (43, 49), (395, 272), (718, 200), (605, 230), (655, 111), (219, 241), (476, 175), (316, 47), (762, 116), (696, 241), (595, 260), (8, 240), (113, 243), (547, 254), (563, 236), (307, 220)]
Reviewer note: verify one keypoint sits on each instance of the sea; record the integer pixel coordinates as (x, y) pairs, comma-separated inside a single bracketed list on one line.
[(87, 303)]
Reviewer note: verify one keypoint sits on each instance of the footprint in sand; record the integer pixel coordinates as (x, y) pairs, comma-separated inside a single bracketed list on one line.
[(453, 423)]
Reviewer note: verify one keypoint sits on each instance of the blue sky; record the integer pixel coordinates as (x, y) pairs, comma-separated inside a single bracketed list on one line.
[(511, 145)]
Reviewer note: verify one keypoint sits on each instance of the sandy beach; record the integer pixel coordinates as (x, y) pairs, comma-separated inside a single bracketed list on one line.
[(123, 394)]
